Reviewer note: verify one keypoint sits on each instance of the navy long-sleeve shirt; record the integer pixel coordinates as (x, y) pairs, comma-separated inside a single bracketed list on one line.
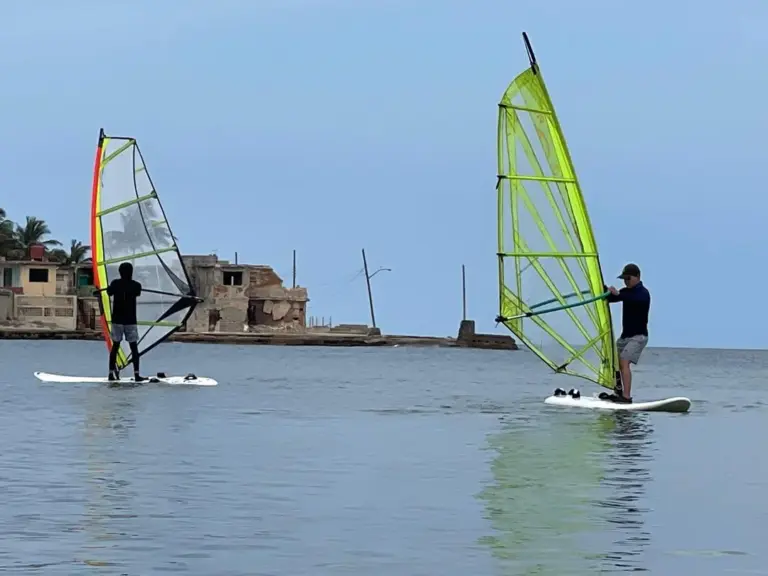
[(636, 303)]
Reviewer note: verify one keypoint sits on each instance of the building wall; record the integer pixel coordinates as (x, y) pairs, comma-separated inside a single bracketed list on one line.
[(278, 306), (262, 277), (272, 304), (18, 277), (88, 313), (74, 280), (10, 279), (6, 305), (57, 312), (64, 281), (225, 306), (231, 303), (31, 285)]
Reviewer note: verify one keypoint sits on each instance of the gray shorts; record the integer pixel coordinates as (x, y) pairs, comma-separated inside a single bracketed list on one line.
[(130, 331), (631, 348)]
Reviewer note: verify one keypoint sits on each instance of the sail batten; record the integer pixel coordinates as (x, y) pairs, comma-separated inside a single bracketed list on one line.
[(551, 290), (126, 204), (128, 224), (132, 257), (525, 109), (538, 178)]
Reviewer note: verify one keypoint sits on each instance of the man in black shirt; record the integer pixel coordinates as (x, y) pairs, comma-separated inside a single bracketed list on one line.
[(634, 334), (124, 292)]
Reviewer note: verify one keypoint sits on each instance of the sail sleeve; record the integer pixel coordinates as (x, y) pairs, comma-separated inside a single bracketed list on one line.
[(128, 224), (551, 290)]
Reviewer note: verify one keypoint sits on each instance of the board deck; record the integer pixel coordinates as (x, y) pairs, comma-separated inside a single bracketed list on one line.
[(675, 404), (168, 380)]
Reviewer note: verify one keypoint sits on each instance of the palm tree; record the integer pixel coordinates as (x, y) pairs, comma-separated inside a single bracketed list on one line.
[(76, 255), (141, 231), (78, 252), (33, 232), (7, 240), (144, 227)]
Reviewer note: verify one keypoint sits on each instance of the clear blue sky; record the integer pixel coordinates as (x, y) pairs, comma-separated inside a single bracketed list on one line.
[(332, 125)]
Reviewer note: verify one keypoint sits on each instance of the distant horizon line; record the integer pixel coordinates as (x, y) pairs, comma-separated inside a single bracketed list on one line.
[(524, 348), (737, 348)]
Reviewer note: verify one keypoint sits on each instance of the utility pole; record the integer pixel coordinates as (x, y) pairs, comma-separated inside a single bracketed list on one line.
[(463, 293), (294, 268), (370, 295)]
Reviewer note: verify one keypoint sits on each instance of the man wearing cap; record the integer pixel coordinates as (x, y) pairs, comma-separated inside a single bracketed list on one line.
[(636, 302)]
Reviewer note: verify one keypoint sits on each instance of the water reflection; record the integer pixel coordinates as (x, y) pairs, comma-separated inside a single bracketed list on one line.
[(110, 419), (559, 480), (626, 477)]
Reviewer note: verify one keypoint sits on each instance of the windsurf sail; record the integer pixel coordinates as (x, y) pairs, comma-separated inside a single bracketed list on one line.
[(128, 224), (551, 290)]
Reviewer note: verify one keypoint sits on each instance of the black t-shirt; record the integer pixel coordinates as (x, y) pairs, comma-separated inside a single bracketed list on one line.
[(124, 294)]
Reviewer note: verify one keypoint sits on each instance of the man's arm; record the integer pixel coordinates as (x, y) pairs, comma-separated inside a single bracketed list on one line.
[(616, 295), (111, 288), (625, 295), (137, 287)]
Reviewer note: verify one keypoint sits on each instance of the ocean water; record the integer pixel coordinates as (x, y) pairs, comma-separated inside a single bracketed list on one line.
[(397, 461)]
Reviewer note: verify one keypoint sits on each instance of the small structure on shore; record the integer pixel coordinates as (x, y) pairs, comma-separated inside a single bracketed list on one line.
[(468, 338), (243, 297)]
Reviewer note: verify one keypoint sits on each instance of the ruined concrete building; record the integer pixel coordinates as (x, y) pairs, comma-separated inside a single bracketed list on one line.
[(242, 297), (39, 293)]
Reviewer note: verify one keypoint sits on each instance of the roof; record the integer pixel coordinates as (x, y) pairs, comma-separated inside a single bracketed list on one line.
[(29, 263)]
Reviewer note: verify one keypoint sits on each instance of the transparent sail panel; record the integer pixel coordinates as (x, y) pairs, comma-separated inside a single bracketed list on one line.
[(551, 287), (152, 309), (130, 226)]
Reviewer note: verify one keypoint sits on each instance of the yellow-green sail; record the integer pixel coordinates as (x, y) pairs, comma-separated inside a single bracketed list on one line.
[(551, 290)]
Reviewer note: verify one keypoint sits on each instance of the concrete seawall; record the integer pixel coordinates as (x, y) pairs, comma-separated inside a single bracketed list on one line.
[(342, 335), (283, 339)]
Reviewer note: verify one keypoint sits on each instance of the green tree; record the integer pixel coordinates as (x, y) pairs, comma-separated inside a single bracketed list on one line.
[(77, 254), (33, 232), (7, 239), (141, 229)]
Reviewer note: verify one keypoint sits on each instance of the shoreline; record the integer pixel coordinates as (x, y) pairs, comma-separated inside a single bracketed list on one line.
[(275, 339)]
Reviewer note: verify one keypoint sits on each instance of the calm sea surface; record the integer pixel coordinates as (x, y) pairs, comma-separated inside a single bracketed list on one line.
[(397, 461)]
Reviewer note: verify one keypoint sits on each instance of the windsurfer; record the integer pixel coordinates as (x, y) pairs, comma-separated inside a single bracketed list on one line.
[(636, 303), (124, 291)]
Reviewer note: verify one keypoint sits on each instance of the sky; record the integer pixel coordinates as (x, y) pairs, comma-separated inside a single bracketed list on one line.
[(328, 126)]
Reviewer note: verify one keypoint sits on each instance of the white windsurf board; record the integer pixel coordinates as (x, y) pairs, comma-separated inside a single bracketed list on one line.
[(168, 380), (675, 404)]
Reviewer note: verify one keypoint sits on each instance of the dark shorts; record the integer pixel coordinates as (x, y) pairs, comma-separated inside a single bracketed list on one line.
[(631, 348), (129, 331)]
